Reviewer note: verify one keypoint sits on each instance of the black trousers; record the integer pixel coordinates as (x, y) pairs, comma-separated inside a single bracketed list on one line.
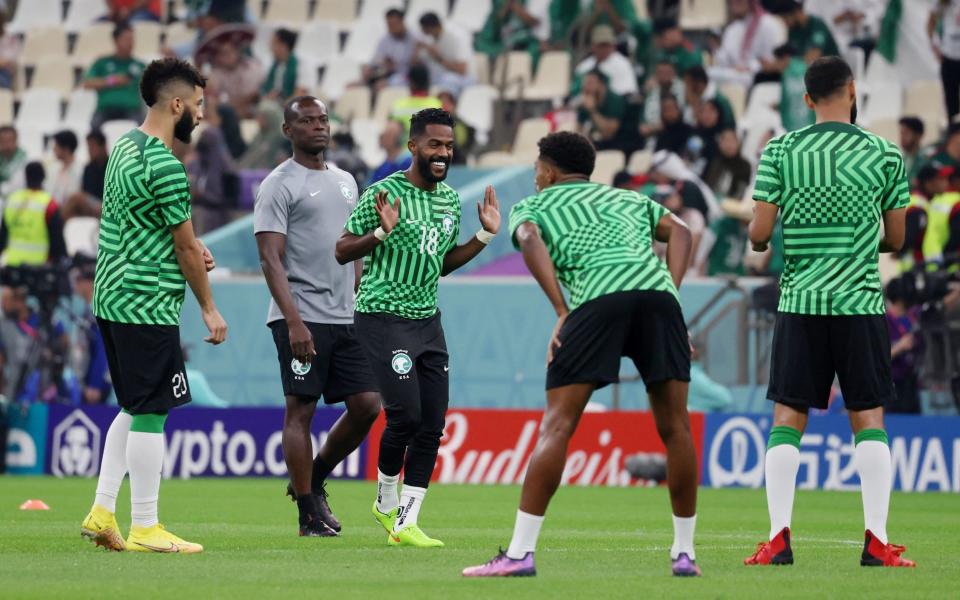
[(409, 362), (950, 76)]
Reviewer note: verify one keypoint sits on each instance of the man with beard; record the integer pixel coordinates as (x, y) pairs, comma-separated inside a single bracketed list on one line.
[(407, 227), (298, 217), (147, 254)]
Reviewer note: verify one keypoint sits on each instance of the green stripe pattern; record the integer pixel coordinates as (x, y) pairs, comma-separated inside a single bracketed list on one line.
[(146, 192), (401, 275), (600, 238), (832, 182)]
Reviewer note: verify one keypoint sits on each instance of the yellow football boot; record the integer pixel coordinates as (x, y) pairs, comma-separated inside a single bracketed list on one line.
[(101, 528), (158, 539)]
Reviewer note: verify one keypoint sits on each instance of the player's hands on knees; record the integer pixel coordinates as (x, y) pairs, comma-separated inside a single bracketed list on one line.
[(216, 325), (389, 213), (208, 261), (555, 338), (301, 342), (489, 211)]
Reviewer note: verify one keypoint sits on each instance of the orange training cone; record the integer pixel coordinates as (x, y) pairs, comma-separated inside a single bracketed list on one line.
[(34, 505)]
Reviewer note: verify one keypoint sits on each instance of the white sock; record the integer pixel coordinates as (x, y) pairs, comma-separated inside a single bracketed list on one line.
[(410, 500), (387, 499), (526, 530), (145, 461), (873, 464), (113, 467), (683, 536), (780, 468)]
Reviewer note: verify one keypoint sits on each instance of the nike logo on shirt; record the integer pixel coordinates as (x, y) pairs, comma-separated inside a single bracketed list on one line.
[(312, 194)]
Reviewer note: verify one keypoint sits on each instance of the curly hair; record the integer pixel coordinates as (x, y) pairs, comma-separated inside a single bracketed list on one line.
[(429, 116), (570, 152), (161, 73)]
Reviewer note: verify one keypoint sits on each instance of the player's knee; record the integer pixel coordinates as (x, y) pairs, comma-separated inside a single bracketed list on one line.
[(558, 427), (366, 411), (403, 424), (673, 428)]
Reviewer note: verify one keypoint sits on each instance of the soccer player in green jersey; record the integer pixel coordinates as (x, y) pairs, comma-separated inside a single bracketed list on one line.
[(832, 184), (147, 254), (406, 226), (597, 241)]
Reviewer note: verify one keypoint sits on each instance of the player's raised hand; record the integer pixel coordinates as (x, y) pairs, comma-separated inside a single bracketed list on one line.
[(389, 213), (489, 211), (216, 325), (208, 261), (301, 342), (555, 338)]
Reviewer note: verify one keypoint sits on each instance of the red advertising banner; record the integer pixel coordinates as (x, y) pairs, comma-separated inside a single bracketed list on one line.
[(494, 446)]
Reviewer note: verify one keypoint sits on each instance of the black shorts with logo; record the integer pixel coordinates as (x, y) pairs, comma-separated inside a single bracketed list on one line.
[(809, 350), (339, 369), (146, 366), (644, 325)]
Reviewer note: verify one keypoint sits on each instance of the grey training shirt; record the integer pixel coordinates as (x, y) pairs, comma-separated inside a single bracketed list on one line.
[(310, 206)]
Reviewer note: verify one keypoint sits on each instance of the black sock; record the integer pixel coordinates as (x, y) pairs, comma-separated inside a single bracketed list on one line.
[(307, 505), (320, 471)]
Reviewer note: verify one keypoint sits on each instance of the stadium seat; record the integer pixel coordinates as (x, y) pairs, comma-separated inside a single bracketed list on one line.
[(512, 72), (255, 8), (6, 106), (925, 99), (362, 40), (39, 109), (475, 108), (292, 13), (553, 77), (81, 105), (32, 139), (737, 95), (81, 235), (763, 97), (114, 130), (366, 134), (92, 43), (343, 12), (481, 67), (883, 103), (337, 76), (249, 129), (319, 42), (43, 43), (83, 13), (55, 74), (178, 34), (146, 38), (528, 134), (308, 73), (489, 160), (703, 14), (889, 129), (260, 48), (375, 10), (354, 103), (640, 162), (470, 15), (35, 13), (609, 163), (383, 104)]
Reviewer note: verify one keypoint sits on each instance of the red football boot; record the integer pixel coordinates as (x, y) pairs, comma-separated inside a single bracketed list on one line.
[(878, 554), (775, 552)]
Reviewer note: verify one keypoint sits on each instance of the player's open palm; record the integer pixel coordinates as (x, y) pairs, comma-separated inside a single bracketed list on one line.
[(389, 213), (489, 211), (216, 325)]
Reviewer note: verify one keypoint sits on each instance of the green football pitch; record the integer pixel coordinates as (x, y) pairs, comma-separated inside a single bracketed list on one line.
[(596, 543)]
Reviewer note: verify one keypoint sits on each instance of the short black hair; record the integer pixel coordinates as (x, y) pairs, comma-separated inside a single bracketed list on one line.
[(287, 37), (568, 151), (97, 136), (419, 77), (697, 73), (288, 109), (395, 12), (914, 124), (622, 178), (664, 24), (952, 130), (8, 128), (34, 173), (670, 98), (161, 73), (927, 173), (784, 7), (120, 29), (896, 290), (66, 139), (430, 19), (429, 116), (784, 50), (826, 76)]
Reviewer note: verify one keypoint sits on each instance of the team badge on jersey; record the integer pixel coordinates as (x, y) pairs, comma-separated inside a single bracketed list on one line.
[(401, 363), (447, 224), (346, 191), (299, 368)]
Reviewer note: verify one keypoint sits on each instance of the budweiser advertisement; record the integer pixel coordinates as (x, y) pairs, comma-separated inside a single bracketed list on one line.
[(494, 446)]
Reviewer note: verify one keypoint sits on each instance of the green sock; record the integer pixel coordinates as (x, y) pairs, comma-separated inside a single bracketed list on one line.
[(784, 434), (149, 423), (874, 435)]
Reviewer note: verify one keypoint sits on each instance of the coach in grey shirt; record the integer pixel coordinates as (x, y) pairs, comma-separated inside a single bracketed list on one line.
[(299, 214)]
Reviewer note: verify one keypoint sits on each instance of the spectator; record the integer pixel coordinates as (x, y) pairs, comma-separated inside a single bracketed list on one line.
[(671, 194), (96, 170), (670, 45), (949, 154), (930, 183), (447, 54), (703, 146), (600, 111), (941, 239), (808, 34), (19, 331), (604, 56), (619, 15), (124, 11), (665, 82), (515, 25), (419, 98), (67, 176), (281, 81), (748, 42), (729, 174), (464, 136), (855, 22), (10, 48), (12, 158), (32, 230), (905, 355), (236, 78), (911, 134), (269, 148), (90, 353), (727, 238), (398, 159), (213, 179), (699, 89), (394, 54), (342, 153), (794, 112), (946, 15), (674, 132), (116, 79)]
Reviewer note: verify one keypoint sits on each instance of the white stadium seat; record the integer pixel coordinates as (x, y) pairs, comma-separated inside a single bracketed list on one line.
[(337, 76), (114, 130), (54, 74), (43, 43), (293, 13), (93, 42), (528, 134), (366, 133), (81, 236), (319, 42), (146, 38), (609, 163), (354, 103), (362, 40), (475, 108), (386, 97), (343, 12), (81, 105), (6, 106), (39, 109), (83, 13), (471, 15), (552, 80), (512, 72), (35, 13)]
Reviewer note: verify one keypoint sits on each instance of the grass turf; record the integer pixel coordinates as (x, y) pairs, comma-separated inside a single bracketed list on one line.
[(596, 542)]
